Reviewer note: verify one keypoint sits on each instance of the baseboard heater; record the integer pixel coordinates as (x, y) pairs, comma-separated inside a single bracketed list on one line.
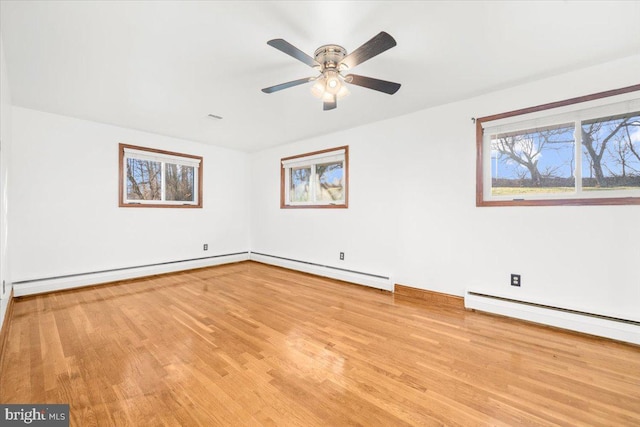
[(68, 281), (378, 281), (617, 328)]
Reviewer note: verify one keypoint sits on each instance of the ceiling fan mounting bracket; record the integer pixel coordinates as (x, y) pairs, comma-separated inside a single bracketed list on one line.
[(329, 56)]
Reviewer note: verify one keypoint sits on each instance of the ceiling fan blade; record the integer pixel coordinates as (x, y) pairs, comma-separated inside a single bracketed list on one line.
[(378, 44), (286, 47), (286, 85), (371, 83), (330, 104)]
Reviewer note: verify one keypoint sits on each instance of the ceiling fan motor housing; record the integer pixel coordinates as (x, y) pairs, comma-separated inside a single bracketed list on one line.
[(329, 56)]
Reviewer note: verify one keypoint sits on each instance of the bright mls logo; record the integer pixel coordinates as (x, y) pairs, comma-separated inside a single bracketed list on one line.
[(37, 415)]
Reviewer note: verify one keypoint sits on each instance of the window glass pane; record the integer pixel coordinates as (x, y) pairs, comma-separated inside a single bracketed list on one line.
[(179, 182), (329, 182), (299, 184), (535, 161), (611, 153), (144, 180)]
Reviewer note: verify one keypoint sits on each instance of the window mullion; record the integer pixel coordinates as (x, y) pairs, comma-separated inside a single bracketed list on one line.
[(577, 137), (195, 185), (163, 181), (312, 183)]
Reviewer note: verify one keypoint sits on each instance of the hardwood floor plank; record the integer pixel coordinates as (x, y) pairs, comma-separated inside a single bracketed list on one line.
[(251, 344)]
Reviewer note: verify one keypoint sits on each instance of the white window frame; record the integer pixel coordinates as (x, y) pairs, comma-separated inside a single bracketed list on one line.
[(163, 157), (310, 160), (595, 107)]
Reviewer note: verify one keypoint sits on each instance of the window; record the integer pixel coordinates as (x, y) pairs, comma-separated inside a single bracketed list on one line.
[(582, 151), (315, 180), (155, 178)]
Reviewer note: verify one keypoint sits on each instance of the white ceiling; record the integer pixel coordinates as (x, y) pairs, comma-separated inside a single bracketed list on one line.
[(163, 66)]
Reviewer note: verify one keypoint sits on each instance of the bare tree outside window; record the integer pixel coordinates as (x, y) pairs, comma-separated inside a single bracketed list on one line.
[(533, 161), (632, 133), (329, 181), (179, 182), (610, 148), (144, 180), (299, 191)]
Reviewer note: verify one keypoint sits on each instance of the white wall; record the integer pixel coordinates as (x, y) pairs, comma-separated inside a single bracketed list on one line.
[(411, 218), (65, 217), (365, 231), (5, 152)]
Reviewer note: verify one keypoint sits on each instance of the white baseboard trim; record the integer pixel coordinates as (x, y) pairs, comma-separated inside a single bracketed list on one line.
[(39, 286), (602, 326), (360, 278)]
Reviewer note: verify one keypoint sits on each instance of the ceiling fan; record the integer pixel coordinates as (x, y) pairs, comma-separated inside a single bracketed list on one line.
[(331, 61)]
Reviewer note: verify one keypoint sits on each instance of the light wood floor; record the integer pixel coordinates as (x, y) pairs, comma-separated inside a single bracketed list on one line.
[(250, 344)]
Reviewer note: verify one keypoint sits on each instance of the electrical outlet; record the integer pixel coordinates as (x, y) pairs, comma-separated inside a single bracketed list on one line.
[(341, 256), (515, 280), (205, 247)]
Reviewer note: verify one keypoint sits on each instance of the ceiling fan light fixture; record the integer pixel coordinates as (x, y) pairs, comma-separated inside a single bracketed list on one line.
[(328, 85), (318, 87), (333, 81), (343, 90), (327, 97)]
